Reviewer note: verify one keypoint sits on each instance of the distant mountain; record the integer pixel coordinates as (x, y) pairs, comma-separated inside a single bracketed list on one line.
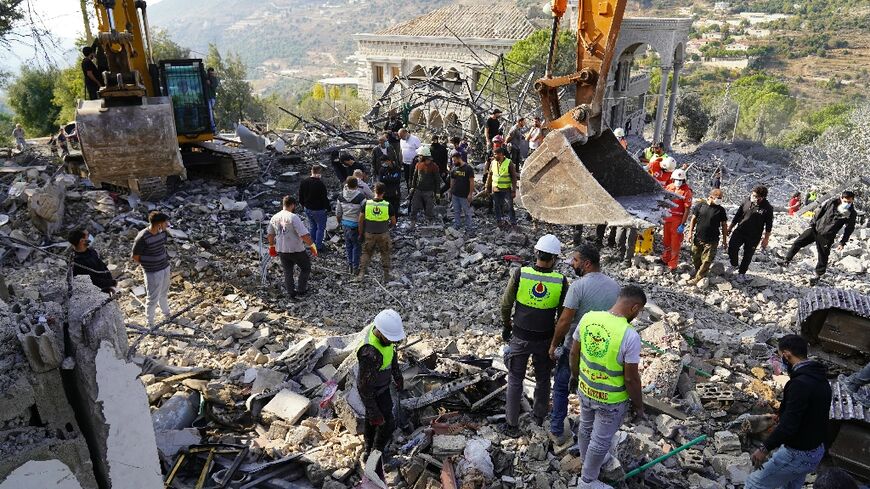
[(289, 34)]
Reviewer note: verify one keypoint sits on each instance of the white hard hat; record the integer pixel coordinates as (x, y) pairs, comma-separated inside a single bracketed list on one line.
[(668, 164), (549, 244), (678, 174), (389, 323), (424, 151), (619, 132)]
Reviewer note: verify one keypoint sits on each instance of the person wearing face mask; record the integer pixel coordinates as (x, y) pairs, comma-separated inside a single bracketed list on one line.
[(379, 368), (535, 296), (86, 261), (798, 438), (149, 251), (675, 223), (594, 291), (834, 215), (753, 218), (604, 358), (708, 218), (381, 152)]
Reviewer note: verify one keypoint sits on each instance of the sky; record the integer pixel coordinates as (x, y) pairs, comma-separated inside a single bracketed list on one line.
[(64, 20)]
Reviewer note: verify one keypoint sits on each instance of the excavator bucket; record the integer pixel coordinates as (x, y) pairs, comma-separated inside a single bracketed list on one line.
[(573, 180), (128, 142)]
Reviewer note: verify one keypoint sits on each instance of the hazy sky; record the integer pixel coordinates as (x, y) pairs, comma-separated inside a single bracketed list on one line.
[(64, 19)]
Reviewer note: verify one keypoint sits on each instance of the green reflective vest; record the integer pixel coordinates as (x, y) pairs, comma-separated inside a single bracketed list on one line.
[(377, 210), (387, 352), (812, 197), (601, 376), (648, 154), (539, 290), (501, 173)]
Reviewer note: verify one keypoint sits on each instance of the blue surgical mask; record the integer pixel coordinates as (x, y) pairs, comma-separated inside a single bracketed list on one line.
[(90, 239), (844, 207)]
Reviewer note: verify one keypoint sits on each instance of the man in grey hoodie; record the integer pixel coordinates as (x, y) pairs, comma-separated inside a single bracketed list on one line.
[(347, 211)]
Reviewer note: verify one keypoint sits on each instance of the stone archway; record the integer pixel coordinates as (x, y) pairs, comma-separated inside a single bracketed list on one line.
[(436, 122), (416, 119), (454, 127)]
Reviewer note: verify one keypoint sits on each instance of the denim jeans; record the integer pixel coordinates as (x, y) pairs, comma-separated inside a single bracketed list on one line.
[(561, 379), (499, 200), (461, 205), (787, 468), (317, 226), (598, 423), (353, 246)]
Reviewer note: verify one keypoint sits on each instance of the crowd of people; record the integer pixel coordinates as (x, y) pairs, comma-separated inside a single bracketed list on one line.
[(577, 334)]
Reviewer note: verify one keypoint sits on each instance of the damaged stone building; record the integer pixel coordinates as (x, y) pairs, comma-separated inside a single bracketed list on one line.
[(462, 42)]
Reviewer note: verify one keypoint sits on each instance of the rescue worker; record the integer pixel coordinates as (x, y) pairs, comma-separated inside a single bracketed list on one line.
[(535, 296), (374, 226), (501, 182), (620, 136), (378, 368), (832, 216), (675, 224), (652, 153), (661, 169), (799, 437), (751, 225), (812, 196), (604, 359)]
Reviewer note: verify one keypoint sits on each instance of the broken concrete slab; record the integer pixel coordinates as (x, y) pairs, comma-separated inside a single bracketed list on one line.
[(169, 443), (287, 405)]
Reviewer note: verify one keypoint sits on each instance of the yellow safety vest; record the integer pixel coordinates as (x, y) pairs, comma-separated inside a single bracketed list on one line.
[(601, 375), (812, 197), (387, 352), (502, 174), (377, 210), (539, 290)]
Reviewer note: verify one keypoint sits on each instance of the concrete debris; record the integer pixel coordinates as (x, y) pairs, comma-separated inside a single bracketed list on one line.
[(270, 384)]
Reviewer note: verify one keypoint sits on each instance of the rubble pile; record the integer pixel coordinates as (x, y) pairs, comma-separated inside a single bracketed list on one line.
[(263, 389)]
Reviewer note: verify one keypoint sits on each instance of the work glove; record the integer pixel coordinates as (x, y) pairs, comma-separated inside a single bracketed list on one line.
[(273, 252), (376, 421), (314, 251), (573, 384), (681, 228), (506, 333)]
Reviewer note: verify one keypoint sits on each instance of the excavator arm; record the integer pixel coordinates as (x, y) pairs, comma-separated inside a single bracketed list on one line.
[(597, 31), (581, 174)]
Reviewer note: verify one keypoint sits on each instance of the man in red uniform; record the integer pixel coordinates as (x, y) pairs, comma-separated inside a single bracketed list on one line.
[(675, 224), (661, 169)]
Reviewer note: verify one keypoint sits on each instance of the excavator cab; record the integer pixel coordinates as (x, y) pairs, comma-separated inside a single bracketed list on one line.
[(581, 174)]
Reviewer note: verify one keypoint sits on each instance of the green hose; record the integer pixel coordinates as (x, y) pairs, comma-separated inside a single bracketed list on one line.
[(664, 457)]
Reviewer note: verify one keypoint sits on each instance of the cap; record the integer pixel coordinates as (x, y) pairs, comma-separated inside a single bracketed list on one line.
[(424, 151), (549, 244), (619, 132), (389, 323)]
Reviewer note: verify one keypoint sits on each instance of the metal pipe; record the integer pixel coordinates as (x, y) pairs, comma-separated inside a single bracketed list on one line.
[(142, 6), (664, 457)]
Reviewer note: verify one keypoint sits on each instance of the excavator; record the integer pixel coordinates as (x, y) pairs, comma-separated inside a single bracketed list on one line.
[(580, 174), (150, 122)]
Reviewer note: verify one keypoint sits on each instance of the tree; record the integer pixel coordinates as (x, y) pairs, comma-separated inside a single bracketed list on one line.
[(334, 92), (164, 48), (31, 96), (213, 59), (691, 116), (6, 126), (235, 97), (68, 90), (766, 107), (10, 14), (318, 92), (840, 154), (531, 53)]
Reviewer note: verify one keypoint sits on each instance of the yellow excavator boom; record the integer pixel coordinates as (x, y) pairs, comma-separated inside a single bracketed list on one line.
[(581, 174)]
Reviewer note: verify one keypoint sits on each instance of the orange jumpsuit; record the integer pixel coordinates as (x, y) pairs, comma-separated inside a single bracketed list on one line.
[(655, 169), (672, 239)]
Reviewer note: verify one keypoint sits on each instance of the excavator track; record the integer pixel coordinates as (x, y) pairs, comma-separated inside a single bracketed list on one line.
[(233, 165)]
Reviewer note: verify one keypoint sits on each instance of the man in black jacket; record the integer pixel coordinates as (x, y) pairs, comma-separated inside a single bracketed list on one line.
[(86, 261), (827, 222), (314, 197), (753, 218), (391, 177), (803, 422)]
